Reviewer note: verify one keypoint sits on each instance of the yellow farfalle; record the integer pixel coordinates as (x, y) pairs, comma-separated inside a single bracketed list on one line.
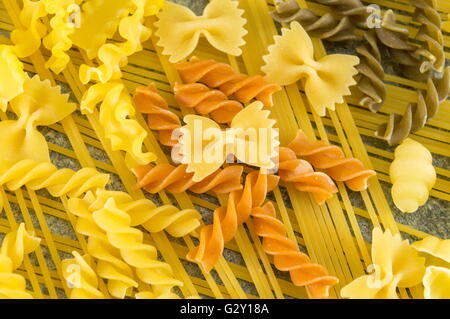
[(14, 247), (395, 264), (27, 39), (117, 119), (81, 277), (13, 76), (179, 29), (114, 56), (62, 25), (437, 275), (326, 81), (436, 283), (204, 147), (38, 104)]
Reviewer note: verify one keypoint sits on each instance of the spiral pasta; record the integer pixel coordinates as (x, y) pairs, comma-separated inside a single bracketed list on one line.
[(14, 247), (332, 161), (207, 101), (301, 174), (117, 119), (155, 219), (81, 277), (176, 180), (122, 256), (227, 218), (371, 81), (430, 33), (416, 115), (325, 27), (354, 10), (287, 256), (221, 75), (58, 182), (412, 175), (159, 117)]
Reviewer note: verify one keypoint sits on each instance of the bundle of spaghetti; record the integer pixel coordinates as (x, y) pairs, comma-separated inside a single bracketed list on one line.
[(371, 81), (416, 114), (175, 179), (394, 38), (117, 117), (207, 101), (227, 218), (287, 256), (58, 182), (331, 159), (14, 247), (430, 33), (154, 219), (221, 75), (121, 255), (159, 117), (325, 27), (81, 277), (301, 174)]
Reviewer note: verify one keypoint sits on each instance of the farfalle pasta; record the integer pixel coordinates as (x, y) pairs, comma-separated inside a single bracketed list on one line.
[(58, 182), (81, 277), (206, 101), (179, 29), (15, 246), (38, 104), (412, 176), (159, 118), (331, 159), (117, 119), (287, 256), (395, 264), (326, 80), (251, 138), (214, 74), (175, 179), (227, 218), (154, 219), (122, 255), (436, 280), (13, 76)]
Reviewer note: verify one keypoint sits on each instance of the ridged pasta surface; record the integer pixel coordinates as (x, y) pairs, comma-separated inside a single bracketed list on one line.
[(58, 182), (412, 175), (287, 256), (221, 75), (331, 160), (302, 175), (227, 218)]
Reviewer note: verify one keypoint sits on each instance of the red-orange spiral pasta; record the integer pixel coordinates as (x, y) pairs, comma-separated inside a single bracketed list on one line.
[(301, 174), (222, 76), (287, 256), (159, 117), (175, 180), (332, 160), (228, 218), (207, 101)]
